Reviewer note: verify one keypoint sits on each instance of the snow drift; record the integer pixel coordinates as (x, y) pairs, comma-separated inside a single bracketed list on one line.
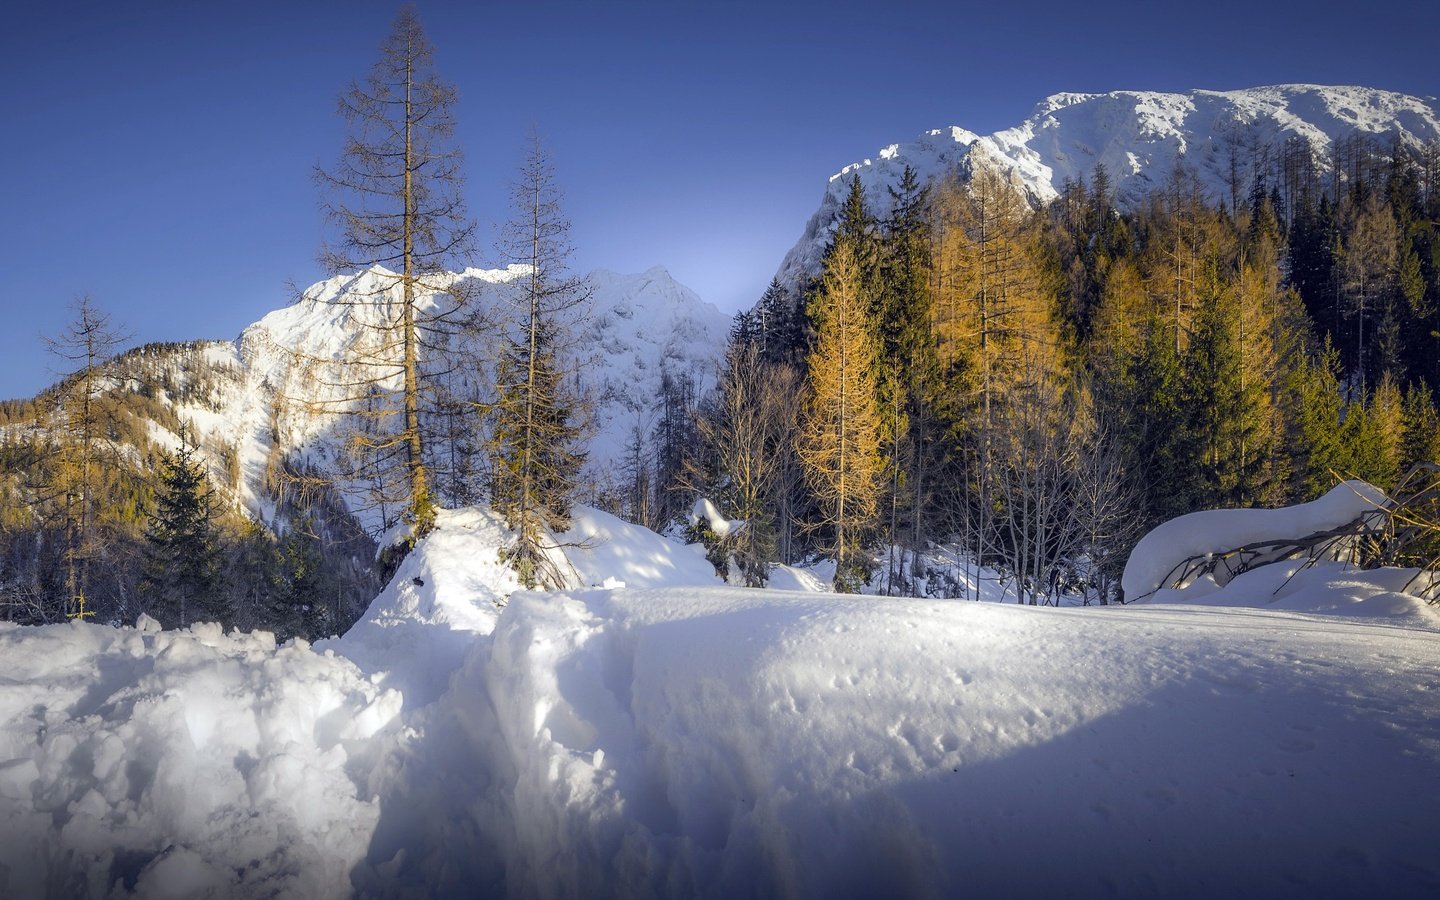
[(167, 764), (748, 743), (677, 738)]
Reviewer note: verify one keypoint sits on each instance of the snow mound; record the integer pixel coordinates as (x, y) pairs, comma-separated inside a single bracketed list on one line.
[(447, 592), (795, 578), (601, 547), (157, 764), (451, 588), (1161, 551), (684, 739), (1328, 588), (752, 743)]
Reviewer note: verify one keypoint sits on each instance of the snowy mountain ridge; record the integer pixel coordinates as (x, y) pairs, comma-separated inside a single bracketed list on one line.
[(1138, 136), (284, 388)]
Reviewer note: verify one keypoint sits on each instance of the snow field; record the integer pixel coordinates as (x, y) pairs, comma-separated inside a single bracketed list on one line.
[(750, 743), (678, 738)]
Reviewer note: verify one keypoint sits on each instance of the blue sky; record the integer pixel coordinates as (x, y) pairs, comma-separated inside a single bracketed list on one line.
[(157, 155)]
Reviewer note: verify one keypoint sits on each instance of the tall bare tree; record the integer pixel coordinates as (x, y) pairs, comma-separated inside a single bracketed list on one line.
[(86, 344), (747, 433), (395, 197)]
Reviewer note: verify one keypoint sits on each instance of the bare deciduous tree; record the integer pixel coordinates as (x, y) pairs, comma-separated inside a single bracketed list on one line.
[(395, 196), (86, 344)]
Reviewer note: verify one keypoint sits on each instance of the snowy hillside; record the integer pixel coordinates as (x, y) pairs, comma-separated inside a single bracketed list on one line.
[(640, 328), (1138, 136), (661, 735), (278, 387)]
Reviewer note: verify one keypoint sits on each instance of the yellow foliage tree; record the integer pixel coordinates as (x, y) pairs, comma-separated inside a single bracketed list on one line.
[(839, 443)]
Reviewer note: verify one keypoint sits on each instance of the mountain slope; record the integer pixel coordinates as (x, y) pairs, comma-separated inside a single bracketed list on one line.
[(273, 415), (1138, 136), (288, 390)]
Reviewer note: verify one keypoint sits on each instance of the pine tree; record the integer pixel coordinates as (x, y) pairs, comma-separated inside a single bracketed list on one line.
[(780, 325), (1222, 412), (856, 228), (1373, 436), (840, 439), (302, 604), (181, 560), (1312, 262), (1156, 431), (1313, 409), (1421, 428), (395, 196), (910, 365), (534, 432)]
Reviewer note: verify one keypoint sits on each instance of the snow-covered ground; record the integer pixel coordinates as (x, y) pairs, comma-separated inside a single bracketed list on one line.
[(677, 737)]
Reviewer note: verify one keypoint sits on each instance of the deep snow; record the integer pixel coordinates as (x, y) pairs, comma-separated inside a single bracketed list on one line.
[(676, 737)]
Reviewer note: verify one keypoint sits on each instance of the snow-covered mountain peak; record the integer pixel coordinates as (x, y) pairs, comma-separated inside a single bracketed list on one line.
[(1138, 136), (642, 328), (288, 378)]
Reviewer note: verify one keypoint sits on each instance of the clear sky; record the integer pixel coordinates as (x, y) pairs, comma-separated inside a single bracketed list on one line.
[(157, 155)]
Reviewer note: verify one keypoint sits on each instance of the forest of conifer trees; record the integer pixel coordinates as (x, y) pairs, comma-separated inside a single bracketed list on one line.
[(1041, 386)]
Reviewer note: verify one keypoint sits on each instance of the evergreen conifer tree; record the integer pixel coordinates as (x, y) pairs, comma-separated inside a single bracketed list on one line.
[(534, 432), (1373, 436), (857, 229), (780, 325), (1221, 411), (910, 365), (1313, 408), (1156, 429), (1421, 427), (181, 560)]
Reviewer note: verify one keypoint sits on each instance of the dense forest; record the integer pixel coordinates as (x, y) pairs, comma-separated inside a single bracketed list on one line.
[(1032, 388), (1041, 386)]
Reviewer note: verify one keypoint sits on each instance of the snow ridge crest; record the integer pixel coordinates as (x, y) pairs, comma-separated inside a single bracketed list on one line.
[(1138, 136)]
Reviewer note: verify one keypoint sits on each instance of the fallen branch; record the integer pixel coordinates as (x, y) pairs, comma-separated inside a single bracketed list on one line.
[(1405, 532)]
